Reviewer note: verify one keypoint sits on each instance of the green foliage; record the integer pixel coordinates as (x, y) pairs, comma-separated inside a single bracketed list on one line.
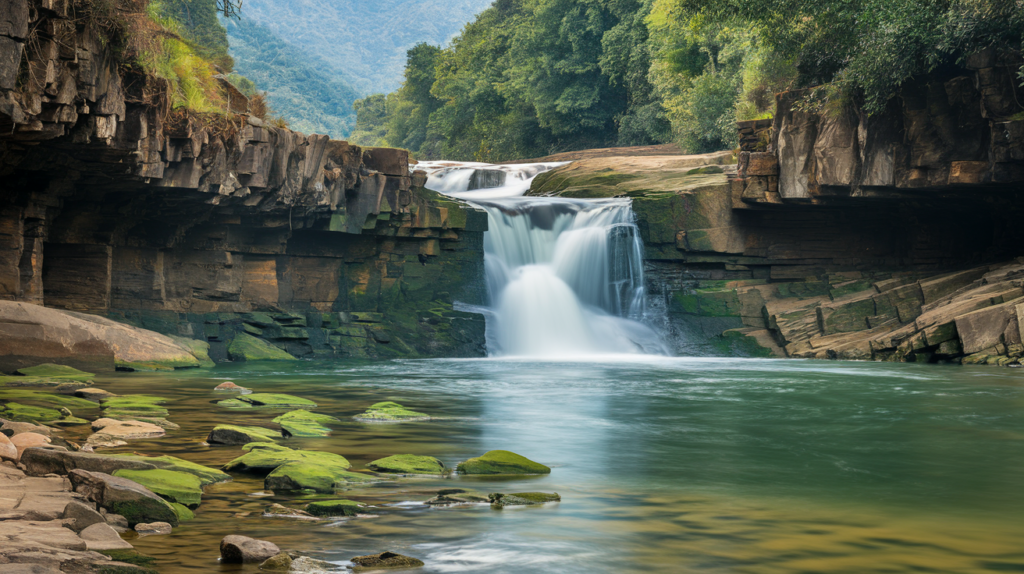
[(371, 113), (199, 25)]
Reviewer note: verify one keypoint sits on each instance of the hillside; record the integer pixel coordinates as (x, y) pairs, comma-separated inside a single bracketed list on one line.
[(363, 42)]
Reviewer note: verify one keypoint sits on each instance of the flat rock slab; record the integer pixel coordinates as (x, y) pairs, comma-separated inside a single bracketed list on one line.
[(101, 536), (153, 528), (112, 432), (39, 462), (242, 549)]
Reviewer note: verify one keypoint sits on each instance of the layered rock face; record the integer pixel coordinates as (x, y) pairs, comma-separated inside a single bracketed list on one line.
[(839, 235), (205, 227)]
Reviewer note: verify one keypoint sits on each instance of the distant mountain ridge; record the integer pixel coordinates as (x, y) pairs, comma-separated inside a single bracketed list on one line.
[(363, 41)]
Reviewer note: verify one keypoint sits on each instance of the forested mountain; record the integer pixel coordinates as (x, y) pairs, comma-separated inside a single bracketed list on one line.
[(362, 41), (302, 88), (531, 77)]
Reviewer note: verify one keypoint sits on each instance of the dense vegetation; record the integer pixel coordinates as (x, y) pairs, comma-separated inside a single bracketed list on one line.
[(532, 77)]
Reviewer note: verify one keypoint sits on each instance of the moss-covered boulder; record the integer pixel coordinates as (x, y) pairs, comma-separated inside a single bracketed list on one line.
[(263, 446), (182, 488), (200, 349), (314, 475), (28, 414), (184, 513), (500, 500), (262, 460), (452, 496), (407, 464), (236, 435), (303, 423), (245, 347), (205, 474), (267, 400), (134, 405), (54, 371), (45, 399), (333, 508), (501, 462), (119, 495), (389, 411)]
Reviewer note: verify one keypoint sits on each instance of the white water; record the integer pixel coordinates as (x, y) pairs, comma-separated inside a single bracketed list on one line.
[(565, 276)]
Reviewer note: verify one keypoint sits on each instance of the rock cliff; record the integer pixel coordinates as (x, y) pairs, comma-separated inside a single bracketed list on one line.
[(207, 226), (834, 234)]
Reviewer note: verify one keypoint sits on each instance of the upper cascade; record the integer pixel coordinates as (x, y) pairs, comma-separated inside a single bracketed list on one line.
[(564, 276)]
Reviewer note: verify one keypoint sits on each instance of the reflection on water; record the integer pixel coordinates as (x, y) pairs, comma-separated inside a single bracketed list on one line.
[(664, 465)]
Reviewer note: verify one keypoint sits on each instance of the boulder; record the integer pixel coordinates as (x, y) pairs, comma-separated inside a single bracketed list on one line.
[(985, 328), (235, 549), (499, 500), (501, 462), (11, 428), (84, 515), (407, 464), (245, 347), (40, 462), (122, 496), (152, 528), (389, 411), (93, 394), (451, 496), (314, 476), (34, 334), (28, 440), (7, 449), (276, 400), (385, 560), (230, 387), (205, 474), (279, 563), (112, 431), (263, 460), (303, 423), (333, 508), (179, 487), (101, 536), (236, 435)]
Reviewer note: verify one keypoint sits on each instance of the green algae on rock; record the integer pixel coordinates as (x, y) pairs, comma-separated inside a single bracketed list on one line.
[(389, 411), (184, 513), (263, 460), (26, 414), (384, 560), (199, 349), (267, 400), (500, 500), (134, 405), (407, 464), (263, 446), (303, 423), (333, 508), (312, 474), (245, 347), (501, 462), (183, 488), (45, 399), (54, 371), (205, 474), (236, 435), (451, 496)]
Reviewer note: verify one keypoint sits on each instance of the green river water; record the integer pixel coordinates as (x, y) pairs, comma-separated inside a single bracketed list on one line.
[(663, 464)]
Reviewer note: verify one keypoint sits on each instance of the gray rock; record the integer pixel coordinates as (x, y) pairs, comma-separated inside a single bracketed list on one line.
[(39, 462), (280, 563), (101, 536), (11, 428), (117, 522), (85, 515), (385, 560), (153, 528), (122, 496), (307, 565), (242, 549)]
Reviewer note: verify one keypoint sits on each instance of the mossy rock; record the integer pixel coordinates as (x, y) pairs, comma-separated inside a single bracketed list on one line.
[(267, 400), (245, 347), (501, 462), (389, 411), (261, 460), (134, 405), (522, 498), (270, 446), (129, 557), (333, 508), (69, 421), (54, 371), (27, 414), (183, 488), (45, 399), (184, 513), (205, 474), (407, 464), (199, 349), (303, 423), (231, 434), (313, 474)]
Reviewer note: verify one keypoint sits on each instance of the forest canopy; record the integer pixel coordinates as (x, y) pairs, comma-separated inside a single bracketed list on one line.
[(532, 77)]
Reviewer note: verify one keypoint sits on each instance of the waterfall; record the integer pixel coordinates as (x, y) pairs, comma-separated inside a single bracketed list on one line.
[(564, 276)]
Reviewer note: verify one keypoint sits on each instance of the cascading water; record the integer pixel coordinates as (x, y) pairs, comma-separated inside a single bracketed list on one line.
[(565, 276)]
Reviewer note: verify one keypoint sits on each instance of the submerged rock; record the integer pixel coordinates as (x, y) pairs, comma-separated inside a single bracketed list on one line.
[(269, 400), (307, 565), (281, 511), (242, 549), (55, 371), (180, 487), (279, 563), (121, 496), (153, 528), (303, 423), (385, 560), (407, 464), (316, 476), (452, 496), (264, 460), (389, 411), (333, 508), (236, 435), (26, 413), (501, 462), (134, 405), (499, 500), (245, 347)]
